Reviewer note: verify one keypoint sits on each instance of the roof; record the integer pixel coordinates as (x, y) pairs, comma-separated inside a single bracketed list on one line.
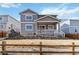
[(74, 19), (9, 16), (62, 20), (43, 16), (27, 11)]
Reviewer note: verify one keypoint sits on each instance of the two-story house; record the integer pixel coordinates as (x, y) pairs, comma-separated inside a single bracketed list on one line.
[(7, 23), (34, 24)]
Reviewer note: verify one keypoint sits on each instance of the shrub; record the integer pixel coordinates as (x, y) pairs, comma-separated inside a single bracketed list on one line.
[(13, 34)]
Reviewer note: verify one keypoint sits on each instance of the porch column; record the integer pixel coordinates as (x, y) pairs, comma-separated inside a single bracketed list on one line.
[(36, 27), (58, 26)]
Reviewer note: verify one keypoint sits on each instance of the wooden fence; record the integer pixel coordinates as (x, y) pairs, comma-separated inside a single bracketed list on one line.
[(72, 36), (5, 52)]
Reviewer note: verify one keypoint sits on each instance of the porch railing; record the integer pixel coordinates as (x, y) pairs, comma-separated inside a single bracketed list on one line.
[(59, 33), (46, 31), (53, 32)]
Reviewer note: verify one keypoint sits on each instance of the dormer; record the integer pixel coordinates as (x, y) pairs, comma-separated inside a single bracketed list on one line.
[(28, 15)]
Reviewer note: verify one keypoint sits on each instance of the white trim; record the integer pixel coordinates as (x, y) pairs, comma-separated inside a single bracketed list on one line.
[(27, 22)]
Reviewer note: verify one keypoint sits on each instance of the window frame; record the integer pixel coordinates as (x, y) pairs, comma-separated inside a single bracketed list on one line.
[(0, 18), (28, 29), (34, 17), (23, 17), (51, 26), (28, 17)]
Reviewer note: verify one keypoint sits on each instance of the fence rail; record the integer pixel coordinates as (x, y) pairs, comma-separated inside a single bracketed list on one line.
[(41, 52)]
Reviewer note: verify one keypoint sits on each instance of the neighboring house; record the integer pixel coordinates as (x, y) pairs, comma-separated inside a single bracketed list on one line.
[(70, 26), (7, 23), (34, 24)]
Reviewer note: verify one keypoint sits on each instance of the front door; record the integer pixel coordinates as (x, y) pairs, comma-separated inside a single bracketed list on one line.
[(42, 27)]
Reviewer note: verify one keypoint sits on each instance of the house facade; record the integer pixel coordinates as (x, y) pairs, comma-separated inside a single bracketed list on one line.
[(34, 24), (70, 26), (7, 23)]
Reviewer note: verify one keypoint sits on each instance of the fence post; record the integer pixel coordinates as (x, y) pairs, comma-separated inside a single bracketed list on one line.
[(41, 48), (73, 48), (4, 48)]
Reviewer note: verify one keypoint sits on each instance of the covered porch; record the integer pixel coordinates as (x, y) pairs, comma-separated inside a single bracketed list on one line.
[(47, 26)]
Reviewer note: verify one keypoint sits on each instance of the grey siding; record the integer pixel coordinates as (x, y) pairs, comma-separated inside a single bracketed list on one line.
[(15, 24), (3, 22), (74, 22), (4, 18), (25, 32)]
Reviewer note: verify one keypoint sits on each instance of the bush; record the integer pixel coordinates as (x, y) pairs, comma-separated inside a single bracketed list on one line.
[(13, 34)]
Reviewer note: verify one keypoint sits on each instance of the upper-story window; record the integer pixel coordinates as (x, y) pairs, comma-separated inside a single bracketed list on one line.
[(23, 17), (29, 17), (0, 18), (34, 17)]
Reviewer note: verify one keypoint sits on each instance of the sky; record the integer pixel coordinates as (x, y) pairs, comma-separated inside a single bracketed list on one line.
[(63, 10)]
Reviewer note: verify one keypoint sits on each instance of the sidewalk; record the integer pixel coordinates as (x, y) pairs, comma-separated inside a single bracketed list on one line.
[(3, 38)]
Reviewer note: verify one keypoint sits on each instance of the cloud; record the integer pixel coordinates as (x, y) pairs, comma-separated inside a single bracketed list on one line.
[(61, 11), (8, 5), (56, 10), (74, 18)]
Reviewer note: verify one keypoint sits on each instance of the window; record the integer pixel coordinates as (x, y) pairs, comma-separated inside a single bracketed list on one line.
[(28, 27), (34, 17), (75, 30), (28, 17), (1, 26), (11, 26), (23, 17), (0, 18), (50, 26)]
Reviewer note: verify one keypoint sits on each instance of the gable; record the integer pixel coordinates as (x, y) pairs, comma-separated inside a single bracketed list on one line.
[(48, 18), (28, 11)]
